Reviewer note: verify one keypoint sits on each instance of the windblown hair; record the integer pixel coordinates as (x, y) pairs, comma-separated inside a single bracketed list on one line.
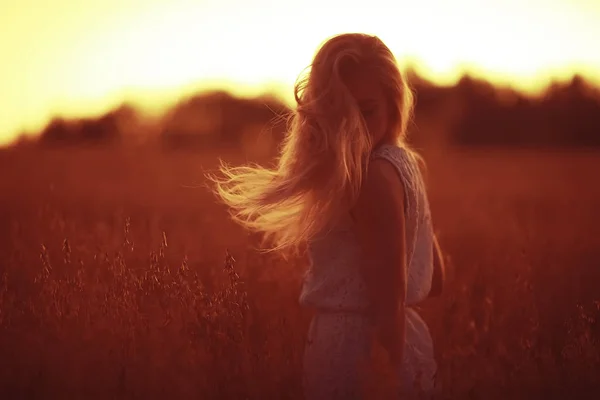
[(325, 152)]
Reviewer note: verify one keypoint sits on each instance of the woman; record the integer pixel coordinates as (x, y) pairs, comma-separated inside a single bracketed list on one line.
[(347, 186)]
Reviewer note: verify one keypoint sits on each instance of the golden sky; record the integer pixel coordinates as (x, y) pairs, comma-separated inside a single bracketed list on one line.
[(76, 57)]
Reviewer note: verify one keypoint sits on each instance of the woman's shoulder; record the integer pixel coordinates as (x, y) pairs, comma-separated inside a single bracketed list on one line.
[(391, 152), (404, 159)]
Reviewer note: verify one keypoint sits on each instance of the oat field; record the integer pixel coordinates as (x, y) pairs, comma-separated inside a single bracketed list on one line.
[(120, 277)]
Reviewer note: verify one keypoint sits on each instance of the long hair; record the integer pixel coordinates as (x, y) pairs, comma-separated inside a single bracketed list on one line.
[(325, 152)]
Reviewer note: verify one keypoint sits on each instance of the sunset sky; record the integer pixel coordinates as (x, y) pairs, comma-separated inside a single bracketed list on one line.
[(76, 57)]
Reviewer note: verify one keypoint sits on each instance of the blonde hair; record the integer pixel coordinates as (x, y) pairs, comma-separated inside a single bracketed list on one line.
[(325, 152)]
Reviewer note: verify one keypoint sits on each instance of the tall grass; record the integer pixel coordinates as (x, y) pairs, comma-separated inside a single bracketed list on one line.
[(134, 297)]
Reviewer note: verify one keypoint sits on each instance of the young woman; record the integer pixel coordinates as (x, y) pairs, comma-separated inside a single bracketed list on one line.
[(348, 187)]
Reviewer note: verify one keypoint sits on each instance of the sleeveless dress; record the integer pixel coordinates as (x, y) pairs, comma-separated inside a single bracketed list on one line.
[(340, 336)]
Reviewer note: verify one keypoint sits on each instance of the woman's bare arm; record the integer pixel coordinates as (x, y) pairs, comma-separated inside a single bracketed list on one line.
[(439, 270), (379, 216)]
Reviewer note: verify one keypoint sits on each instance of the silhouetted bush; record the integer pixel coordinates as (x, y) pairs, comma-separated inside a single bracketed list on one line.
[(566, 115), (218, 118), (106, 129), (58, 131)]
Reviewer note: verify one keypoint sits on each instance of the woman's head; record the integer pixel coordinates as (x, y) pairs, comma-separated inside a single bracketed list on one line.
[(357, 72), (353, 98)]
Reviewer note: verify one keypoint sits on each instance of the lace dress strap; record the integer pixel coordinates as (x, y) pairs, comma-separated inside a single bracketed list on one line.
[(407, 171)]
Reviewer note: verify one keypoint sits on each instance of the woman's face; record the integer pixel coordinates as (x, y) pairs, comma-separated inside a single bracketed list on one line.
[(372, 103)]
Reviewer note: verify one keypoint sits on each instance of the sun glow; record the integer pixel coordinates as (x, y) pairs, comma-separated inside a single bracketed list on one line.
[(77, 58)]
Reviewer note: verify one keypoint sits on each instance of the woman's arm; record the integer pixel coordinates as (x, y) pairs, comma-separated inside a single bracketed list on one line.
[(379, 217), (439, 270)]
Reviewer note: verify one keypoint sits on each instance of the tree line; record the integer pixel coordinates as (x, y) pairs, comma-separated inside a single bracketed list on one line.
[(566, 115)]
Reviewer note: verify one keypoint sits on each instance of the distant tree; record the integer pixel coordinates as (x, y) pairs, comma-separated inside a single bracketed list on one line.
[(218, 118), (574, 111), (24, 139), (100, 130), (195, 121), (57, 131)]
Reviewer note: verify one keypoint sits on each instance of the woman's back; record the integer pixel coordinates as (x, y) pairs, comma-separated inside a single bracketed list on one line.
[(333, 281)]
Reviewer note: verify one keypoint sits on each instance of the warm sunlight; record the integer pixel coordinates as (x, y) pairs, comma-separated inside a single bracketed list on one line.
[(75, 58)]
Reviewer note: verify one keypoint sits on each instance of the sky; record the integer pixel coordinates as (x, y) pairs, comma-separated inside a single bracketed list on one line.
[(79, 58)]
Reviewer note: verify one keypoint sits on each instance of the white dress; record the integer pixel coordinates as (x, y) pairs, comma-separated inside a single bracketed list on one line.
[(341, 335)]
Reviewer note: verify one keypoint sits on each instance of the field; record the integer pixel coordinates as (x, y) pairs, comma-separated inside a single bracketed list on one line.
[(115, 280)]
